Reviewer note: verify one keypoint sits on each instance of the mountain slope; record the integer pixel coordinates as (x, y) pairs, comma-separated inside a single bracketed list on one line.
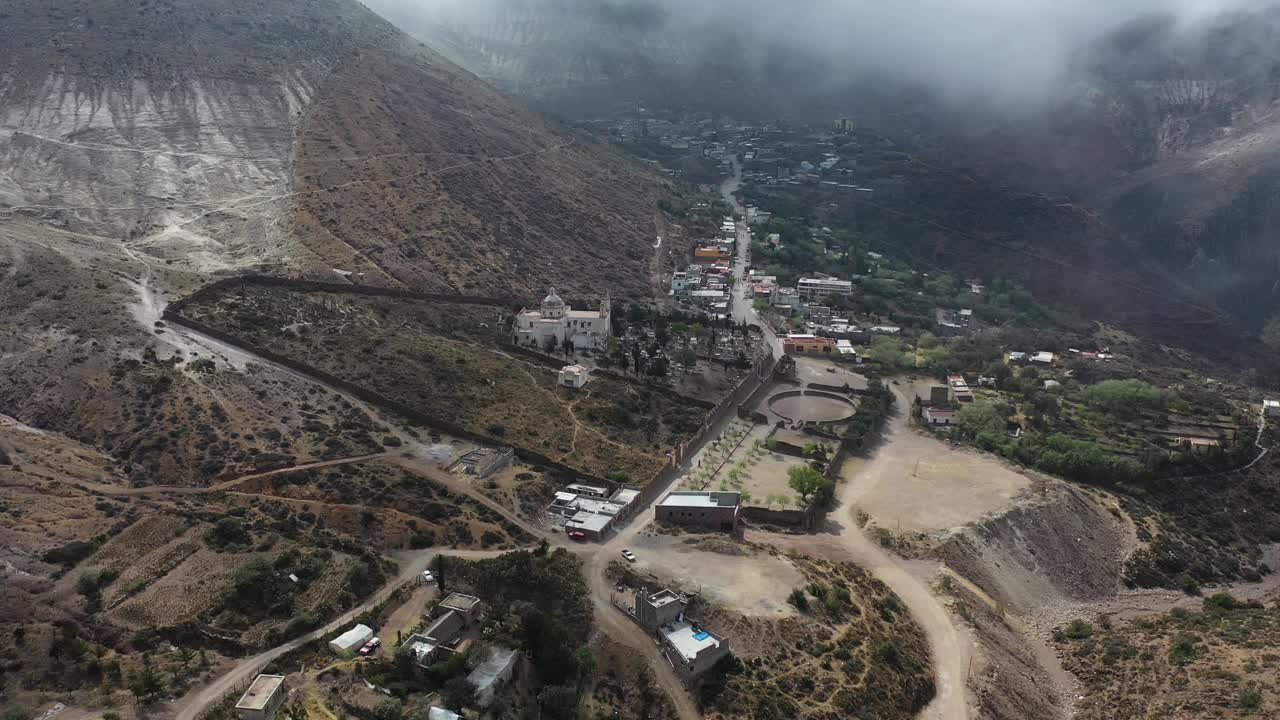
[(445, 185), (148, 148)]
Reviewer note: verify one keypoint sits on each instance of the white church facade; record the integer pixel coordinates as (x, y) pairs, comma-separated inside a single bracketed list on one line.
[(554, 321)]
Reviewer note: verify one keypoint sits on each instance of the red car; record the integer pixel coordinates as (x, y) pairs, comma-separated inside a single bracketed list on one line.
[(371, 647), (577, 535)]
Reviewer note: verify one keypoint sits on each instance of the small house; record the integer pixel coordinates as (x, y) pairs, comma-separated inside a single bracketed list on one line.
[(467, 605), (712, 510), (573, 376), (939, 417), (263, 698), (352, 640), (1271, 408)]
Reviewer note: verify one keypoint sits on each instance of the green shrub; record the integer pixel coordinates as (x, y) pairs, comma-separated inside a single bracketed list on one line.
[(1078, 630), (799, 600), (1185, 649), (1250, 700), (1126, 397)]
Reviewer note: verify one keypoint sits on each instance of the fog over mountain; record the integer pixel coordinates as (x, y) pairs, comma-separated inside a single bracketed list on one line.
[(1012, 51)]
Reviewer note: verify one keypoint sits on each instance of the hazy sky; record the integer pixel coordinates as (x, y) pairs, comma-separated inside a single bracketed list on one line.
[(1001, 49)]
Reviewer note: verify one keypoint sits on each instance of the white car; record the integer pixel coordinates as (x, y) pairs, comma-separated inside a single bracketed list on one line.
[(427, 577), (630, 556)]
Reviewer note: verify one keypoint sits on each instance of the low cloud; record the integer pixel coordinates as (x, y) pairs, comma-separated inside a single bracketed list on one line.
[(997, 50)]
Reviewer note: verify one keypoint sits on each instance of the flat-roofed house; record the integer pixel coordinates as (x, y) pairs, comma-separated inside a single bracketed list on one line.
[(467, 605), (656, 609), (692, 649), (713, 510), (263, 698)]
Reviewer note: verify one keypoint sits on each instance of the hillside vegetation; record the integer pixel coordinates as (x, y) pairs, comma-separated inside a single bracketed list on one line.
[(1221, 661)]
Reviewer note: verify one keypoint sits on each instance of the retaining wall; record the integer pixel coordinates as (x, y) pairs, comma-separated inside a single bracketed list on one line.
[(532, 457), (223, 285)]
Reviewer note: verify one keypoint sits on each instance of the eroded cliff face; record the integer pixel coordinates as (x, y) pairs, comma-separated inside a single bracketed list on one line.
[(168, 128)]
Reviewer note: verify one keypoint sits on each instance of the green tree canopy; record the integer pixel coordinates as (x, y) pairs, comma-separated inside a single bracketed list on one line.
[(1126, 397), (808, 483)]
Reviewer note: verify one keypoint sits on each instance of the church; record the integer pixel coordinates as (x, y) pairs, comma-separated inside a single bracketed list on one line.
[(554, 321)]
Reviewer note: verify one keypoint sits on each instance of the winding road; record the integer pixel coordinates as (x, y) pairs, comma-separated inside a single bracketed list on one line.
[(949, 649)]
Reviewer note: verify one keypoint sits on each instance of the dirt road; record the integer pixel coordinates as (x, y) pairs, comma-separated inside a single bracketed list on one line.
[(949, 647), (411, 564)]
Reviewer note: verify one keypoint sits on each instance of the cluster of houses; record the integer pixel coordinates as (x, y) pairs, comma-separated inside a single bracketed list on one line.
[(589, 513), (940, 411), (1047, 359), (705, 284)]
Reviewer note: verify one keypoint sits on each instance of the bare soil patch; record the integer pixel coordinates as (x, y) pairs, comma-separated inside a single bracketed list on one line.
[(754, 584), (917, 483)]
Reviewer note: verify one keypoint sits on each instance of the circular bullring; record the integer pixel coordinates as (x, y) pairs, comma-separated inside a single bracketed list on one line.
[(811, 406)]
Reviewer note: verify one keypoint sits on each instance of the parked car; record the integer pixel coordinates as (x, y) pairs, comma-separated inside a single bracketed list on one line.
[(428, 577), (630, 556), (371, 647), (577, 535)]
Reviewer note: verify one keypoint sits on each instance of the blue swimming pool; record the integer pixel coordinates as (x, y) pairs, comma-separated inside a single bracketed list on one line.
[(701, 635)]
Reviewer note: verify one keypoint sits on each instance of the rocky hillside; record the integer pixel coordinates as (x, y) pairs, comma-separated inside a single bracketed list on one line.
[(150, 147), (204, 133)]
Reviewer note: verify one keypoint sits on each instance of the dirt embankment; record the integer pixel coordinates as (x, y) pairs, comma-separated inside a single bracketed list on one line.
[(1011, 679), (1060, 543)]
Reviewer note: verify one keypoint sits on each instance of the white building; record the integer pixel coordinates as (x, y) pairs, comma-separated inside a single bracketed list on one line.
[(573, 376), (1271, 408), (815, 288), (492, 674), (554, 321), (692, 649), (351, 640), (939, 417), (263, 698)]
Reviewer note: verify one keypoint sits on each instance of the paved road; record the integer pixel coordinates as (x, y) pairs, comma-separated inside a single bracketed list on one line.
[(744, 310)]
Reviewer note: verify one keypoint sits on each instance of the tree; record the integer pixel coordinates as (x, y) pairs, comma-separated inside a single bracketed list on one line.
[(558, 703), (688, 358), (549, 345), (146, 684), (979, 418), (254, 585), (388, 709), (438, 569), (458, 693), (886, 351), (185, 656), (227, 532), (807, 482), (567, 345), (586, 665), (1125, 397)]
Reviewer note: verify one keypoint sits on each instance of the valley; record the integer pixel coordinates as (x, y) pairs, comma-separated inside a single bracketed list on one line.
[(338, 382)]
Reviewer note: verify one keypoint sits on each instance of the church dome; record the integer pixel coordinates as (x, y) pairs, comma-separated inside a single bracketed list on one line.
[(552, 300)]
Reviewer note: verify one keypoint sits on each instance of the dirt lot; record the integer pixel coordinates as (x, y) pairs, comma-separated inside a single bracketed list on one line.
[(827, 372), (960, 485), (729, 574)]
